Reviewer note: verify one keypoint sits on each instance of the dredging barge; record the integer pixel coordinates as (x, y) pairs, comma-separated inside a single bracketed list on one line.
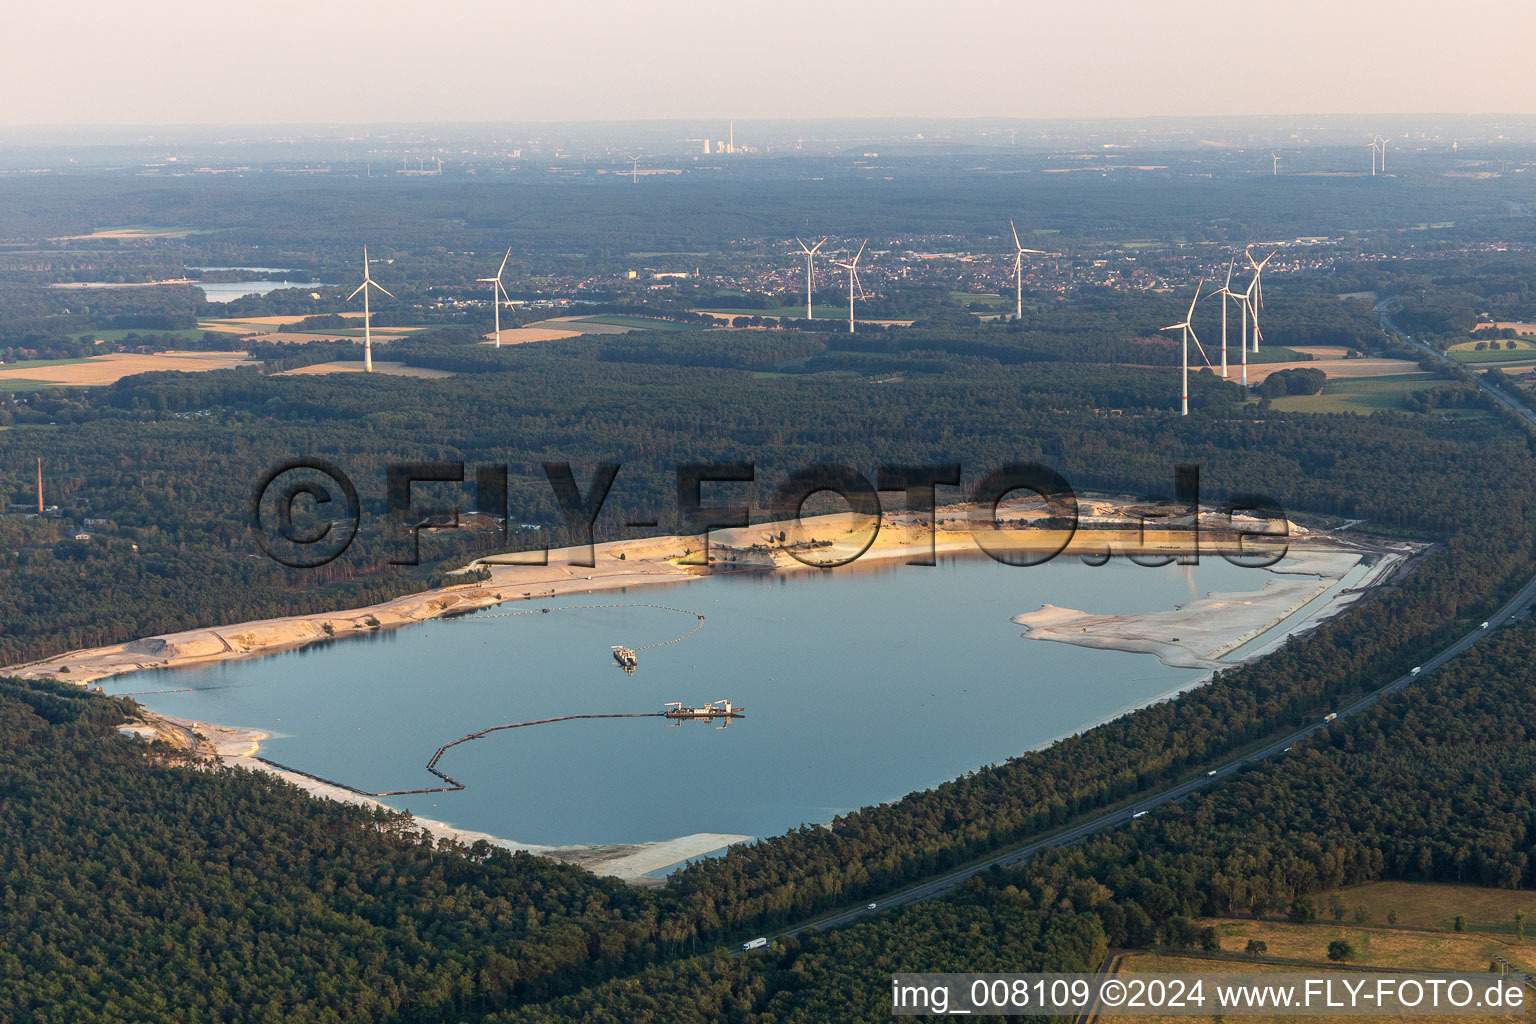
[(680, 712)]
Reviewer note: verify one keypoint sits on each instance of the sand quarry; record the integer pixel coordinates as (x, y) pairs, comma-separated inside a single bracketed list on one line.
[(1197, 634), (109, 369)]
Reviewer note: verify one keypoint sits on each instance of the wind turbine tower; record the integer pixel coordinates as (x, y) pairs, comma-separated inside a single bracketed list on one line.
[(634, 171), (1225, 291), (498, 293), (368, 282), (853, 281), (1018, 272), (1256, 301), (810, 261), (1187, 326)]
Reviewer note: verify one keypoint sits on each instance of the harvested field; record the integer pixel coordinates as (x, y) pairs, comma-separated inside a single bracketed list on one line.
[(1331, 367), (379, 366), (109, 369), (524, 335)]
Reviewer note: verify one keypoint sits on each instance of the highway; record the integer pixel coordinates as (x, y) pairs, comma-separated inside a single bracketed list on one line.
[(1499, 394), (941, 884)]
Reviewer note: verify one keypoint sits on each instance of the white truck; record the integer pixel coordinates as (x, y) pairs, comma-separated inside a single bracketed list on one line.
[(752, 944), (1415, 670)]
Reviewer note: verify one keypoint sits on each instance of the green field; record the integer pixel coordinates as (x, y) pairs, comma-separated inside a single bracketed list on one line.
[(1357, 394), (118, 334), (1466, 352), (1266, 354), (794, 312), (13, 386), (986, 299), (639, 323)]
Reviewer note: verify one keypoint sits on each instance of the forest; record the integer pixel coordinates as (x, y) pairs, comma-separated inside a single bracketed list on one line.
[(135, 888)]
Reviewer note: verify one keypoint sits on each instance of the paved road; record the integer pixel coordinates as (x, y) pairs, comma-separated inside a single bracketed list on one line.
[(937, 886), (1501, 395)]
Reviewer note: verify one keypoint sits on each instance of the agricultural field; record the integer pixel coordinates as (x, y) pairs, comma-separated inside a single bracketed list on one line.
[(267, 327), (118, 334), (379, 366), (988, 299), (839, 312), (1332, 368), (1363, 395), (108, 369), (131, 232), (638, 323), (1467, 351), (1390, 925)]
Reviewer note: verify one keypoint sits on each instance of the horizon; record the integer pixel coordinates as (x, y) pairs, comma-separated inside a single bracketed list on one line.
[(467, 62)]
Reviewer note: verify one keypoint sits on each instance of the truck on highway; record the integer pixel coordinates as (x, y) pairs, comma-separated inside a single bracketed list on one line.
[(1331, 716), (752, 944), (1483, 626), (1415, 670)]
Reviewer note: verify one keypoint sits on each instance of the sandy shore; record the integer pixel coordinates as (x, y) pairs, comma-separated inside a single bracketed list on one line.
[(238, 747), (1201, 633), (1196, 635)]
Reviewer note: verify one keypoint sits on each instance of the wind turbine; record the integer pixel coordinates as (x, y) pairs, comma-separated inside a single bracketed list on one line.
[(1275, 170), (810, 261), (1187, 326), (1383, 144), (496, 287), (853, 280), (1256, 300), (1226, 292), (1018, 272), (367, 317), (634, 171)]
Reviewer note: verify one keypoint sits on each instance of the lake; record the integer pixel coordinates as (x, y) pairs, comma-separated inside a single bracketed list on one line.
[(225, 291), (859, 686)]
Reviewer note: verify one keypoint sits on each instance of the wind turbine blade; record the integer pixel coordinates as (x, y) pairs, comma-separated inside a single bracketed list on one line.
[(504, 294), (802, 246), (359, 288), (1232, 263), (861, 251), (381, 288), (1173, 327), (1201, 348), (1016, 243), (503, 264), (819, 244), (1191, 314)]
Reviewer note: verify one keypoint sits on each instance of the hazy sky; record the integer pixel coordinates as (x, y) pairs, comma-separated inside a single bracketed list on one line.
[(175, 61)]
